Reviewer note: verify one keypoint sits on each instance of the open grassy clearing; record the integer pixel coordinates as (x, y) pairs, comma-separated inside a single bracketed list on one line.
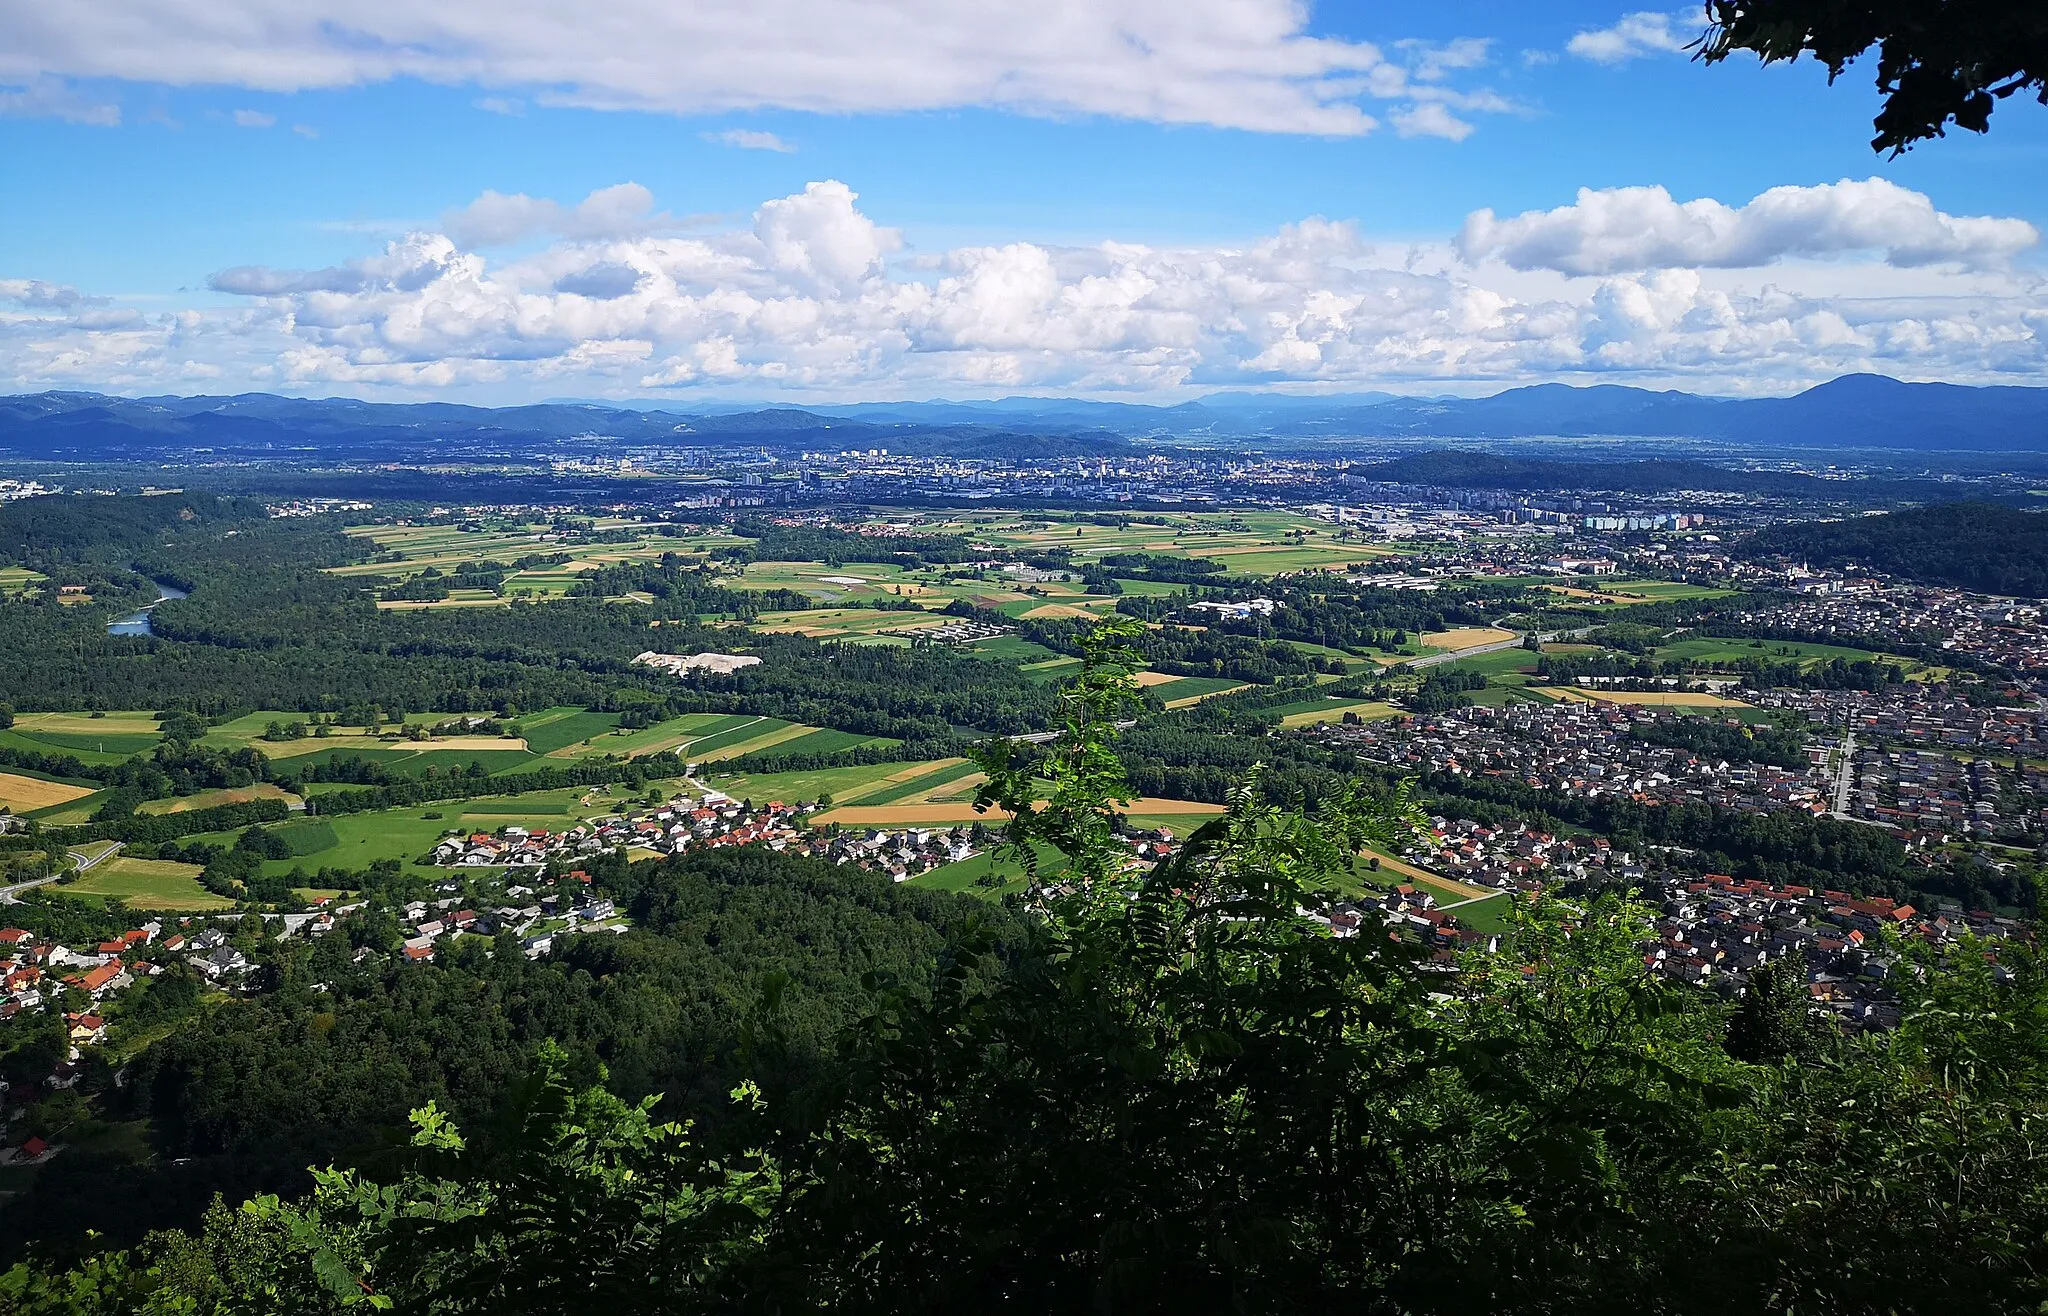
[(360, 839), (262, 790), (828, 741), (554, 729), (24, 794), (13, 580), (1194, 689), (1254, 543), (83, 751), (1333, 710), (995, 862), (843, 623), (113, 732), (151, 884), (1512, 663), (1738, 651)]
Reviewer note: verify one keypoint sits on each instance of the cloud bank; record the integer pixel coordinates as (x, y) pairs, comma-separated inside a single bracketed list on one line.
[(813, 298), (1247, 64), (1642, 228)]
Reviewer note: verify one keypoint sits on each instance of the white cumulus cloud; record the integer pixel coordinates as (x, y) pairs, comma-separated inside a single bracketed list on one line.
[(810, 299), (1643, 228), (1635, 36), (254, 119)]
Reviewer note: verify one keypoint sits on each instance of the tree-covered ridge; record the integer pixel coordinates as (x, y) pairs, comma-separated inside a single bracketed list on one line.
[(1978, 546)]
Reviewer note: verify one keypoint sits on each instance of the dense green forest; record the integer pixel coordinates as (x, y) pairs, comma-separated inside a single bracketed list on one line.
[(1980, 546), (266, 627)]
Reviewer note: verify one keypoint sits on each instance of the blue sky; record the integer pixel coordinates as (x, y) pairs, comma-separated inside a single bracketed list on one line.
[(218, 195)]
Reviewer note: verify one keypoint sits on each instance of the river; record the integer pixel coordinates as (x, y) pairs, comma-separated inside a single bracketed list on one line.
[(137, 623)]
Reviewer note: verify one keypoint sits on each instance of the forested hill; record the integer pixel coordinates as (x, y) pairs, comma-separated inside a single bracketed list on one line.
[(1973, 545)]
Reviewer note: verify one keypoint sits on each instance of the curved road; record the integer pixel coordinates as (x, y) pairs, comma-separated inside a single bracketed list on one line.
[(9, 895)]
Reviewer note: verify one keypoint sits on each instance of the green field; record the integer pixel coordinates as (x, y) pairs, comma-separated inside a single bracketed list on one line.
[(307, 835), (877, 783), (1737, 651), (1191, 687), (359, 839), (827, 742), (153, 884), (968, 873), (558, 728)]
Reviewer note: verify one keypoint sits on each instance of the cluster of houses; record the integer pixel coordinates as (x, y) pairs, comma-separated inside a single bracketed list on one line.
[(35, 972), (1916, 714), (1578, 749), (714, 820), (711, 820), (2005, 632), (1712, 930), (537, 915), (1408, 912), (1716, 930), (1516, 856), (1914, 789)]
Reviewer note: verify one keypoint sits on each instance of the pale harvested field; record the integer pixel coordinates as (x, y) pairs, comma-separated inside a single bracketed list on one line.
[(1060, 610), (22, 794), (85, 724), (1645, 698), (1389, 864), (916, 815), (1367, 710), (1196, 699), (262, 790), (1465, 637), (422, 605), (1155, 678), (285, 749), (766, 740)]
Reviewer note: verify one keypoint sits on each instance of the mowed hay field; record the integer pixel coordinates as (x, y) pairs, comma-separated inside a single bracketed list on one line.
[(153, 884), (1466, 637), (926, 782), (27, 794), (1645, 698), (262, 790), (949, 814)]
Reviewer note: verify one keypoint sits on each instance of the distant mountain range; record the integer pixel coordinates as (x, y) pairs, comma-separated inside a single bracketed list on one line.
[(1853, 412)]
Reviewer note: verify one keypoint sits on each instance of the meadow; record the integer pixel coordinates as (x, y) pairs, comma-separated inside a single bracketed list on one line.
[(145, 884)]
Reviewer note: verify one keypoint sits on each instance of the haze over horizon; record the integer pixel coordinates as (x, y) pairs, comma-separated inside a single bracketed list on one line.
[(793, 203)]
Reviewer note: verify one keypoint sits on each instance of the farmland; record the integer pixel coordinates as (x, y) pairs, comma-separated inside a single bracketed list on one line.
[(25, 794), (146, 884)]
